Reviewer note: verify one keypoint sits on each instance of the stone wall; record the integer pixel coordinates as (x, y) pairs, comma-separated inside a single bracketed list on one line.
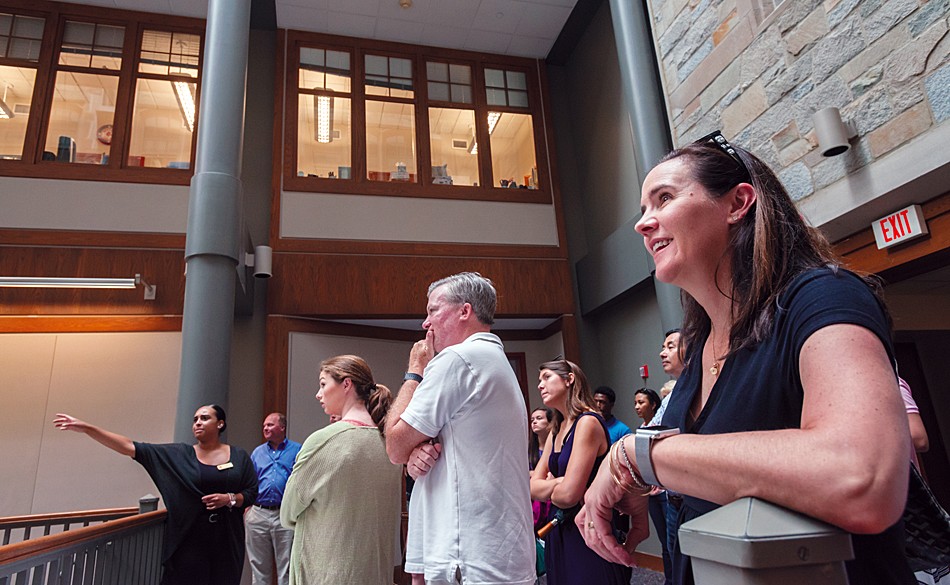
[(760, 75)]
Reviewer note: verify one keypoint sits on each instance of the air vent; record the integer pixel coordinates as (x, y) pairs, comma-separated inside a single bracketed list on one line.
[(460, 144), (21, 109)]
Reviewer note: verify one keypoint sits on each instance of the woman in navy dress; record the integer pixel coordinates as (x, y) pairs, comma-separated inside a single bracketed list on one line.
[(575, 447), (790, 392)]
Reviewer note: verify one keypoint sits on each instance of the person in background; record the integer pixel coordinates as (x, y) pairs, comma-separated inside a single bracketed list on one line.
[(541, 418), (604, 400), (343, 497), (646, 402), (668, 501), (920, 442), (578, 443), (671, 357), (461, 426), (268, 543), (205, 487), (788, 391)]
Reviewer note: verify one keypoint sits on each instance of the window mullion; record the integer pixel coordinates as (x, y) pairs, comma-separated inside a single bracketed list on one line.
[(122, 119)]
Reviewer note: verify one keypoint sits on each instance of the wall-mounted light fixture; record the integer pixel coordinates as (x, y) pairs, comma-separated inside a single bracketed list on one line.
[(405, 3), (323, 115), (833, 133), (63, 282), (261, 261), (185, 94), (6, 112)]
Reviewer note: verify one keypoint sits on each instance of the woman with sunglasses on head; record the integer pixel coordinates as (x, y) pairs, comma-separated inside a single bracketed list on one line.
[(788, 392), (206, 487), (343, 498), (576, 445)]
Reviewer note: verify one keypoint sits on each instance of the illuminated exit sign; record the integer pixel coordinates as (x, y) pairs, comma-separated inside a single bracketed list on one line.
[(899, 227)]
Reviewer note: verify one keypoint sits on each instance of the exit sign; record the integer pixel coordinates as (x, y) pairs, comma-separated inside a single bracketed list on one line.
[(899, 227)]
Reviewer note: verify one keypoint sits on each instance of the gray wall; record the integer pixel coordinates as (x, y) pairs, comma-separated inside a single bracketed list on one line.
[(600, 188), (247, 350)]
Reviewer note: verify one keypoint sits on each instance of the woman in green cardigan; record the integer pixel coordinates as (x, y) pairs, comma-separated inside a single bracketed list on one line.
[(206, 487)]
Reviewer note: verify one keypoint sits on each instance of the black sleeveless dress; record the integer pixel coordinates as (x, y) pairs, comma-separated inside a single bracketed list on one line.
[(568, 559)]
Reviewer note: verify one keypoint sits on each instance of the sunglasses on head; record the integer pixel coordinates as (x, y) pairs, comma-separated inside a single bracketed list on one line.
[(717, 139)]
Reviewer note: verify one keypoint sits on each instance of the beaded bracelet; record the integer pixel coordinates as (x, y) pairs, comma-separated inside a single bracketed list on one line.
[(637, 480), (616, 473)]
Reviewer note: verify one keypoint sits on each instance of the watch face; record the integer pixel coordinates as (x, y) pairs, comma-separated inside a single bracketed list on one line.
[(104, 134)]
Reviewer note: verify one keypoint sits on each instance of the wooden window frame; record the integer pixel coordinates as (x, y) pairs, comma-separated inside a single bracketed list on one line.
[(47, 67), (359, 184)]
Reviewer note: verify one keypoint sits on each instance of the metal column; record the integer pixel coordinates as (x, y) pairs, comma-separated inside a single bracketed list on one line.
[(642, 94), (214, 215)]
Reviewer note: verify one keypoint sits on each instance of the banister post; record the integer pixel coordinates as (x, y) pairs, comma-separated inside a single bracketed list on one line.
[(754, 542), (148, 503)]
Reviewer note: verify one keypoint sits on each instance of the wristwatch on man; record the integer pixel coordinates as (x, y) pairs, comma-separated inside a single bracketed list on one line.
[(644, 439)]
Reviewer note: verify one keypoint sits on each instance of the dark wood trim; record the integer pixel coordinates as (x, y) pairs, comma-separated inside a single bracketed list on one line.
[(276, 360), (416, 189), (162, 268), (364, 247), (572, 345), (648, 561), (520, 366), (54, 542), (346, 286), (89, 324), (86, 239), (860, 252), (95, 515)]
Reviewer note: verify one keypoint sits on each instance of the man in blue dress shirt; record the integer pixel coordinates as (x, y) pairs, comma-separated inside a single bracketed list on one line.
[(268, 543)]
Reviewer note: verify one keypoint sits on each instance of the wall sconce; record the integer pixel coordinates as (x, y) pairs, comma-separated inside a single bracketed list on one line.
[(405, 3), (833, 133), (57, 282), (323, 114), (261, 260), (185, 94)]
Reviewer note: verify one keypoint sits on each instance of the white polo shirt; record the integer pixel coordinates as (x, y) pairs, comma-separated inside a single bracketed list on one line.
[(472, 511)]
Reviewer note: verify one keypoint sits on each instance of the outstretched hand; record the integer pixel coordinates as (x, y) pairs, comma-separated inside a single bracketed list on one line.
[(594, 519), (64, 422)]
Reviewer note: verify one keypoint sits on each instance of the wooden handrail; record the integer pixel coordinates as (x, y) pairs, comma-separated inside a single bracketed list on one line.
[(51, 543), (91, 515)]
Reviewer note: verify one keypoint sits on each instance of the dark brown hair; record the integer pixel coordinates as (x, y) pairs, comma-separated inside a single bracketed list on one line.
[(769, 247), (579, 398), (376, 397), (534, 444)]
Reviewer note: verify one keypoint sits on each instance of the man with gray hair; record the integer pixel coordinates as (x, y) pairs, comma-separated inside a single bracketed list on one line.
[(461, 425)]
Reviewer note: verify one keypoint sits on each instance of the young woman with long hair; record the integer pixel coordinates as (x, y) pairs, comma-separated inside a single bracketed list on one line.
[(343, 497)]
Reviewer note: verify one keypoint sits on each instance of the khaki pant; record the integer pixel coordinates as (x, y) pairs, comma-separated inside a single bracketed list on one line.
[(268, 545)]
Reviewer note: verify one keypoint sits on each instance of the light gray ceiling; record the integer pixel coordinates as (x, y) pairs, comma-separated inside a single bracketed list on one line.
[(524, 28)]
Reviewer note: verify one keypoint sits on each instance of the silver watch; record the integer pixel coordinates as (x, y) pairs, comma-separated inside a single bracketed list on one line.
[(643, 439)]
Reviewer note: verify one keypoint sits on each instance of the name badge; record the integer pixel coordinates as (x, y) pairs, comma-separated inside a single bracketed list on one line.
[(224, 466)]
